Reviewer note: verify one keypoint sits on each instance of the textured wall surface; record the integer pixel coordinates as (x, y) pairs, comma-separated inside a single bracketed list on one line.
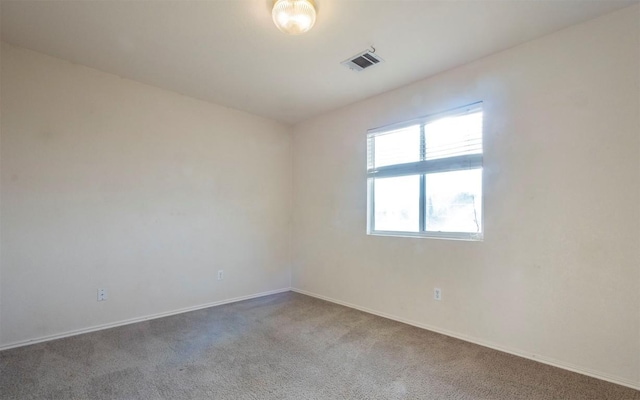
[(558, 274), (108, 183)]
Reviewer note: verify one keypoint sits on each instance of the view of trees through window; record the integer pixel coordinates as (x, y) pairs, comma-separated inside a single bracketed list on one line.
[(454, 201)]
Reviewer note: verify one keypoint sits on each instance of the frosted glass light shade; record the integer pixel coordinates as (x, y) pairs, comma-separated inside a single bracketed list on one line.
[(294, 16)]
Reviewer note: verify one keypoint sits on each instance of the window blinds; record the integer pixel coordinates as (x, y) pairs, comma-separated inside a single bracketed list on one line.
[(437, 143)]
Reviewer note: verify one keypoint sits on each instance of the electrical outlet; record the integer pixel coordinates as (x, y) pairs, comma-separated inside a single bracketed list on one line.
[(220, 274), (102, 295), (437, 294)]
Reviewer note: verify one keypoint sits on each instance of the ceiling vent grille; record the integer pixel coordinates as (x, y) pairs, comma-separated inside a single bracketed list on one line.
[(362, 61)]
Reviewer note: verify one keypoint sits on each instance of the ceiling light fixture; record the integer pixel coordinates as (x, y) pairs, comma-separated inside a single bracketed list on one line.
[(294, 16)]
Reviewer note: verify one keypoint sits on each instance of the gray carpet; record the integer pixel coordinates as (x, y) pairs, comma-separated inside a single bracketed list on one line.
[(285, 346)]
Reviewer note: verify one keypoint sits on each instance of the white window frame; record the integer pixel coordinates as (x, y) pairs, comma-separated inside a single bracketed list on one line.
[(456, 163)]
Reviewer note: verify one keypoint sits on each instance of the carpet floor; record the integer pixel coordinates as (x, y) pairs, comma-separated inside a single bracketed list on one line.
[(284, 346)]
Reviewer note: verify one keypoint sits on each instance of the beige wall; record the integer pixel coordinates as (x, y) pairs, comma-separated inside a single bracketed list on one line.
[(558, 274), (115, 184)]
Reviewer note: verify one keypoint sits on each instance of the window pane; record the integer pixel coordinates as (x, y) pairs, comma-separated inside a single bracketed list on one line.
[(397, 203), (396, 147), (454, 136), (454, 201)]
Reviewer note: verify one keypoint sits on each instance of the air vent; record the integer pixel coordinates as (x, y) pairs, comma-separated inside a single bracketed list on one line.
[(362, 61)]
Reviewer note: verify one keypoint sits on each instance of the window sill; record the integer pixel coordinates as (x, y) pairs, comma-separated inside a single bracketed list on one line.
[(467, 237)]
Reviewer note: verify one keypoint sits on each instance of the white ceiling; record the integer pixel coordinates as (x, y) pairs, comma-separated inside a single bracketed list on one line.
[(230, 53)]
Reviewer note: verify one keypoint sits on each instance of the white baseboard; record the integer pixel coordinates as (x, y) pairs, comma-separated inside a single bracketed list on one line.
[(466, 338), (137, 319)]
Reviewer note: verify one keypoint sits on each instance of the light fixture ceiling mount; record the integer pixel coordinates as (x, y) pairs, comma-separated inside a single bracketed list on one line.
[(294, 16)]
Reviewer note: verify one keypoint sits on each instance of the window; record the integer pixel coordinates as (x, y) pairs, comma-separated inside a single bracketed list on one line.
[(425, 176)]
